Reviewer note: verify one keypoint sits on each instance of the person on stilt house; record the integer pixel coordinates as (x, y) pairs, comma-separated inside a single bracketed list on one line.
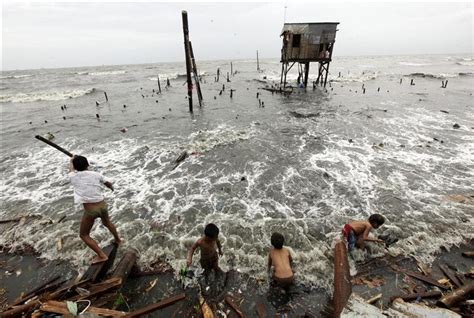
[(88, 192)]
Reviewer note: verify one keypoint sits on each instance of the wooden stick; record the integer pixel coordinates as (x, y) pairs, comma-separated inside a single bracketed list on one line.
[(52, 144), (231, 303), (188, 60), (258, 65), (456, 296), (106, 97), (17, 310), (100, 288), (162, 304), (426, 279), (374, 299), (450, 275), (231, 69), (431, 294)]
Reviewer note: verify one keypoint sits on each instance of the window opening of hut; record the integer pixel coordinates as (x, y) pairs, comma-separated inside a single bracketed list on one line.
[(296, 40)]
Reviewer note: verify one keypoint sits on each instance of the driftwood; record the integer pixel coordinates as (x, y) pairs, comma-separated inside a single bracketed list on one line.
[(59, 307), (35, 291), (426, 279), (125, 265), (342, 283), (456, 296), (449, 274), (374, 299), (97, 271), (17, 310), (431, 294), (230, 302), (468, 254), (100, 288), (153, 307)]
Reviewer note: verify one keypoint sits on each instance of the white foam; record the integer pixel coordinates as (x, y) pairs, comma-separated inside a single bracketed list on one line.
[(44, 96)]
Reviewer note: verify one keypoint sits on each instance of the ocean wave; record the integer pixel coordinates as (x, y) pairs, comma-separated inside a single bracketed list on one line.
[(45, 96), (3, 87), (15, 76), (413, 64), (170, 76), (366, 76), (429, 75), (466, 63), (105, 73)]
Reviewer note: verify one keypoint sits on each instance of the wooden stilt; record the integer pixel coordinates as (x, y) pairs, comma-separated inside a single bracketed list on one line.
[(306, 74), (231, 69), (188, 59), (106, 97), (158, 80), (196, 75), (258, 65)]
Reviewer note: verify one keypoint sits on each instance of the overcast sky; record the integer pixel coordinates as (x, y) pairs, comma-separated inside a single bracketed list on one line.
[(46, 35)]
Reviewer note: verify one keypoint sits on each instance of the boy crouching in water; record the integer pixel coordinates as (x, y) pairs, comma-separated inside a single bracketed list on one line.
[(87, 191), (209, 244), (280, 258), (356, 233)]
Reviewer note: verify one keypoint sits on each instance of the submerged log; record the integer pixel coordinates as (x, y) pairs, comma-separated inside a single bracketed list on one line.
[(431, 294), (125, 265), (153, 307), (342, 278), (456, 296), (97, 271)]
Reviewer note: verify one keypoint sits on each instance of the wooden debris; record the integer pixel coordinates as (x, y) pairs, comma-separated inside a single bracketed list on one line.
[(342, 284), (430, 294), (97, 271), (152, 284), (100, 288), (205, 309), (35, 291), (125, 265), (446, 271), (17, 310), (153, 307), (230, 302), (469, 254), (425, 279), (59, 307), (456, 296), (374, 299)]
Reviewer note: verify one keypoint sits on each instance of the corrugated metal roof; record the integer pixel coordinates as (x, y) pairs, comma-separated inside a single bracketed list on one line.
[(311, 27)]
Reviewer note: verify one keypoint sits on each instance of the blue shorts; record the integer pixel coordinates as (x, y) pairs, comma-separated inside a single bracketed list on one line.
[(351, 241)]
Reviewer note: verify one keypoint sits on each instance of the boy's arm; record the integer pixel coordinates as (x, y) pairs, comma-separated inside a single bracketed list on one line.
[(219, 247), (366, 235), (189, 260), (291, 261)]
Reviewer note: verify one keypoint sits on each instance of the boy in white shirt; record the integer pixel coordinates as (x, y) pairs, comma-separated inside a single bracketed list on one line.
[(88, 192)]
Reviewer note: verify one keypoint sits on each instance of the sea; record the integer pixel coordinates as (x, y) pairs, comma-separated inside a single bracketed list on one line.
[(383, 137)]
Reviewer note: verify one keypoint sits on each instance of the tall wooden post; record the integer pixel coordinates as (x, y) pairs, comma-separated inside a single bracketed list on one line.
[(306, 74), (158, 79), (106, 97), (258, 66), (196, 76), (231, 70), (188, 60)]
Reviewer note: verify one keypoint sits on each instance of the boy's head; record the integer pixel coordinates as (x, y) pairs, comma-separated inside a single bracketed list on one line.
[(277, 240), (376, 220), (80, 163), (211, 231)]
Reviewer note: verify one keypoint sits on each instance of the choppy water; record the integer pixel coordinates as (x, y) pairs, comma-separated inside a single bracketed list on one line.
[(302, 176)]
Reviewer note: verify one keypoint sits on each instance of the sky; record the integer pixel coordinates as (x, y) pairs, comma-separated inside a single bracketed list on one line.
[(69, 34)]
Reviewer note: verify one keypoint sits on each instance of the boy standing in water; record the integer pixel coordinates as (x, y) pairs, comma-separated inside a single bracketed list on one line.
[(87, 191), (357, 232), (280, 258), (209, 244)]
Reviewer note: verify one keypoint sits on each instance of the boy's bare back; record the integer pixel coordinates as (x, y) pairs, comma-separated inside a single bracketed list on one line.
[(208, 247), (360, 227), (281, 261)]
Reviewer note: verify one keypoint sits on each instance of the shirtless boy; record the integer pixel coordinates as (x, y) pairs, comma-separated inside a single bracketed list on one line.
[(280, 258), (209, 244), (357, 232), (87, 191)]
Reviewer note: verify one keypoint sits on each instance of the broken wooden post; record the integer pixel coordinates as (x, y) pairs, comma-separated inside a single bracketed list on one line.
[(228, 80), (342, 283), (196, 76), (188, 60), (426, 279), (218, 73), (445, 84), (231, 70), (449, 274), (258, 65), (306, 74), (456, 296), (168, 82), (125, 265), (158, 80), (106, 98)]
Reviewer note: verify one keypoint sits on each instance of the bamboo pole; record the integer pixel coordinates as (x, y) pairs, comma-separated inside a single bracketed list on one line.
[(52, 144), (188, 60)]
